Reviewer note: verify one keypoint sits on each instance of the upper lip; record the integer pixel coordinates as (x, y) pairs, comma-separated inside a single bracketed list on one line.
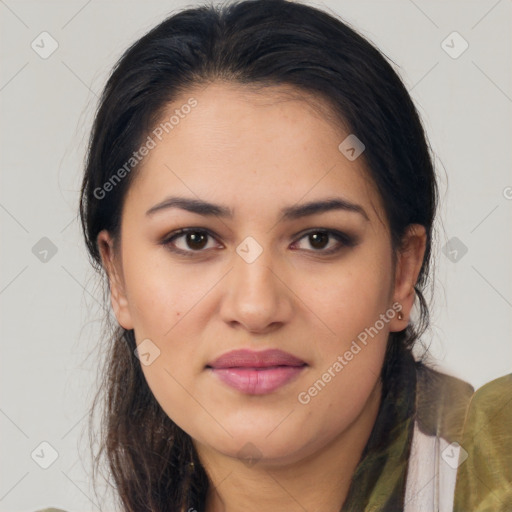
[(251, 359)]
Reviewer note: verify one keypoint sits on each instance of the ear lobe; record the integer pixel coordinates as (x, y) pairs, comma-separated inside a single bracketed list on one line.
[(409, 262), (118, 297)]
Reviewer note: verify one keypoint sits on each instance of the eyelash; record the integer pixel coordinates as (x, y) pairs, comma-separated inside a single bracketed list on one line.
[(344, 239)]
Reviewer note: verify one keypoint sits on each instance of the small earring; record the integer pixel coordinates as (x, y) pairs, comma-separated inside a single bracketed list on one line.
[(400, 316)]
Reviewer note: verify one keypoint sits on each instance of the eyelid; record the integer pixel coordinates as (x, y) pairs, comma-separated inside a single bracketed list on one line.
[(347, 239), (166, 241)]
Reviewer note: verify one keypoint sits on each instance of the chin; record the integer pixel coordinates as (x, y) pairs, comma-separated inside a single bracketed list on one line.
[(261, 442), (258, 449)]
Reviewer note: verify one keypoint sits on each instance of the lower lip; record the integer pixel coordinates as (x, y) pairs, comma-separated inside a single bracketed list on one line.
[(257, 382)]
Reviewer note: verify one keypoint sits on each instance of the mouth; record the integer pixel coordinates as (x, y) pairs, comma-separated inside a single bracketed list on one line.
[(256, 373)]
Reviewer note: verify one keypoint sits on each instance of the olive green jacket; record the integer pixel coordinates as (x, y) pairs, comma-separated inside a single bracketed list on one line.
[(484, 481)]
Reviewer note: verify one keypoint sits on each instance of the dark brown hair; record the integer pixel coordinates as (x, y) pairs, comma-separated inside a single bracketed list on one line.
[(257, 43)]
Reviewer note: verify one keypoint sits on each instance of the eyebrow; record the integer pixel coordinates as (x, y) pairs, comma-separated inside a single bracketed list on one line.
[(288, 213)]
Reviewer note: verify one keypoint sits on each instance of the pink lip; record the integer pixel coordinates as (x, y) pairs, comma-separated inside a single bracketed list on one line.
[(256, 373)]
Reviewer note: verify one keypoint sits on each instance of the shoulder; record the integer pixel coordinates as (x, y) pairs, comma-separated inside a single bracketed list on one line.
[(494, 395), (481, 485), (51, 509), (489, 415)]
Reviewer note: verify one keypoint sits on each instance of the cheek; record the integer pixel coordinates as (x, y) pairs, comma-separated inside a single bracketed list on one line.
[(158, 296), (351, 296), (347, 369), (336, 406), (164, 305), (170, 385)]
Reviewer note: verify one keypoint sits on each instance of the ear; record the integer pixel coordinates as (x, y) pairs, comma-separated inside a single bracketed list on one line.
[(408, 266), (117, 290)]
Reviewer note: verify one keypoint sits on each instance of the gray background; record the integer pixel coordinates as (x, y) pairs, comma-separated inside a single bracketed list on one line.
[(51, 317)]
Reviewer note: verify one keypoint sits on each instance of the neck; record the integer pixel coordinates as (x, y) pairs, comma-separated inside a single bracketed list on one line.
[(318, 482)]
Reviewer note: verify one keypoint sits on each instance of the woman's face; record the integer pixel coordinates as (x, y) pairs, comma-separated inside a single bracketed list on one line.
[(262, 270)]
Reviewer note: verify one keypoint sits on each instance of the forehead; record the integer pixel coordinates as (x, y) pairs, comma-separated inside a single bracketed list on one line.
[(254, 149)]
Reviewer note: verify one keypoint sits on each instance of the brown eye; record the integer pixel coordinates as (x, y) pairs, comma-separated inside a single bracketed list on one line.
[(196, 239), (319, 240), (188, 241)]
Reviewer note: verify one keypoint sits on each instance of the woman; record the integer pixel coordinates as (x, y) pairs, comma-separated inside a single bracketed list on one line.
[(260, 195)]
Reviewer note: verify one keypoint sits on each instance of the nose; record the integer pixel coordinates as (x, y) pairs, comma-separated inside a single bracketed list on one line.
[(257, 297)]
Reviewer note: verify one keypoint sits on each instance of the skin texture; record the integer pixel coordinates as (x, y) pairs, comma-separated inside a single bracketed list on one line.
[(257, 153)]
